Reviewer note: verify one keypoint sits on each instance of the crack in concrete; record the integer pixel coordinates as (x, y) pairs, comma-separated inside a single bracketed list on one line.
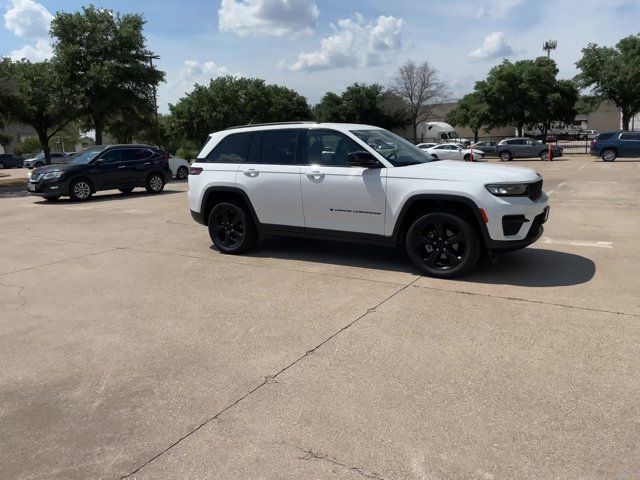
[(539, 302), (25, 302), (62, 261), (311, 455), (269, 379)]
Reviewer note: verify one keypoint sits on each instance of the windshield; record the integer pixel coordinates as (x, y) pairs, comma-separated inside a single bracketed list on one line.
[(398, 151), (83, 157), (453, 135)]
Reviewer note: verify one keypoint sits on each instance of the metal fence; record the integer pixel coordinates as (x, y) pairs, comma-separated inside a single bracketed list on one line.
[(569, 146)]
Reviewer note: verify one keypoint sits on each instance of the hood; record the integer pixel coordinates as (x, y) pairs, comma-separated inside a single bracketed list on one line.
[(55, 167), (465, 171)]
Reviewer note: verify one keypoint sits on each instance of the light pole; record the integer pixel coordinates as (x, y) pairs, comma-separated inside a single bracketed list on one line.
[(151, 58), (549, 45)]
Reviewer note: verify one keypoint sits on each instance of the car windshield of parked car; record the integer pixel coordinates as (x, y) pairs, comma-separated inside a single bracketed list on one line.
[(398, 151), (83, 157)]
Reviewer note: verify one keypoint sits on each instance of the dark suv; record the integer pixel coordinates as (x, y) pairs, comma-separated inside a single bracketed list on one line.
[(9, 160), (610, 145), (121, 167)]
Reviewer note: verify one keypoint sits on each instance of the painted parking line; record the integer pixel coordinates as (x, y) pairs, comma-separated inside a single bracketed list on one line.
[(577, 243), (604, 182)]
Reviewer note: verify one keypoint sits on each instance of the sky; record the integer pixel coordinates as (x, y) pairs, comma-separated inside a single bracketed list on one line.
[(315, 46)]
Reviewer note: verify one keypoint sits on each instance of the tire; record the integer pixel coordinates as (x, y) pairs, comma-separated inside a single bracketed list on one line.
[(127, 190), (544, 156), (467, 157), (1, 166), (505, 156), (608, 155), (430, 244), (231, 228), (182, 173), (51, 198), (38, 165), (155, 183), (435, 157), (80, 190)]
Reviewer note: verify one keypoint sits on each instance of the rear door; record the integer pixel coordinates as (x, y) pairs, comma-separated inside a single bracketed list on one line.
[(629, 144), (137, 163), (271, 176)]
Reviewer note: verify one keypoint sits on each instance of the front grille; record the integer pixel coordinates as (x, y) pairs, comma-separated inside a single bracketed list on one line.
[(535, 190), (35, 177)]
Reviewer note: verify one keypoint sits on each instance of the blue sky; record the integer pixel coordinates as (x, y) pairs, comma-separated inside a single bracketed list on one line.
[(314, 46)]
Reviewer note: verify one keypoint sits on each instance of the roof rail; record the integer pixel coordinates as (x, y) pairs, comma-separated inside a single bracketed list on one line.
[(272, 123)]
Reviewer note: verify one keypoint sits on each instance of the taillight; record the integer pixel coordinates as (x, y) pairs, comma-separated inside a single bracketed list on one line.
[(195, 170)]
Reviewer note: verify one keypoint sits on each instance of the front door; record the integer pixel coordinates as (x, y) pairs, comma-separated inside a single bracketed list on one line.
[(107, 171), (336, 196), (271, 177)]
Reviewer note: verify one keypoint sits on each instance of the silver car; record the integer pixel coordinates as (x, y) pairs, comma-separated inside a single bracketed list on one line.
[(524, 147)]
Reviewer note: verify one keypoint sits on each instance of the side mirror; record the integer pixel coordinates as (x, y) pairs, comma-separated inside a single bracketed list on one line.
[(98, 162), (362, 159)]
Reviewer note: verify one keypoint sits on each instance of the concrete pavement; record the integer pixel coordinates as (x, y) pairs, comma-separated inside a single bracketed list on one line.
[(132, 349)]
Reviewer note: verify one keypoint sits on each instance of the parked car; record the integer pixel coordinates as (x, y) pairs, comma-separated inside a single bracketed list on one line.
[(122, 167), (591, 134), (253, 180), (525, 147), (488, 147), (424, 146), (10, 160), (451, 151), (611, 145), (179, 167), (39, 160)]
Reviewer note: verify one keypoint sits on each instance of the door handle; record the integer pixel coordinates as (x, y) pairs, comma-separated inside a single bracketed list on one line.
[(315, 174), (252, 172), (122, 166), (147, 163)]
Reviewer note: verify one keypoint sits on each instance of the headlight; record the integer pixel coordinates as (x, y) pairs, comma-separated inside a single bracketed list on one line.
[(52, 175), (508, 190)]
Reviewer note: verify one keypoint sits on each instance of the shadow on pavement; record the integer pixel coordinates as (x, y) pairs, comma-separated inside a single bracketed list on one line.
[(106, 197), (533, 267), (530, 267)]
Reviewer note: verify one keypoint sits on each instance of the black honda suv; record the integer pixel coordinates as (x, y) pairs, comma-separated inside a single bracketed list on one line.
[(121, 167)]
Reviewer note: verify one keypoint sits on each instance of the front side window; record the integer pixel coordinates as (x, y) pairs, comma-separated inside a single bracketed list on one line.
[(400, 152), (630, 136), (83, 157), (112, 156), (331, 148), (233, 148)]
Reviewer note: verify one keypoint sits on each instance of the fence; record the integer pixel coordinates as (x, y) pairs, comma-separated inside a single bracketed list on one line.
[(569, 146)]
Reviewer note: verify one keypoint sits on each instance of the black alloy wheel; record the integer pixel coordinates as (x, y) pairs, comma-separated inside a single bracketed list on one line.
[(231, 229), (443, 245), (182, 173)]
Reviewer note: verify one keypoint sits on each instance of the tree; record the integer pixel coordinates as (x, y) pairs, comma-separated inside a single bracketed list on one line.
[(102, 57), (5, 139), (28, 145), (420, 88), (614, 74), (470, 112), (360, 103), (34, 94), (229, 101), (527, 92)]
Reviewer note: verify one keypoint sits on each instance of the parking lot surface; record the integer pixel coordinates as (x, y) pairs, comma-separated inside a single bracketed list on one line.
[(130, 348)]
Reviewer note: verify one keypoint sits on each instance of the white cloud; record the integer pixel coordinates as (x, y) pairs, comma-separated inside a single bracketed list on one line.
[(28, 19), (355, 44), (494, 46), (268, 17), (195, 72), (42, 50)]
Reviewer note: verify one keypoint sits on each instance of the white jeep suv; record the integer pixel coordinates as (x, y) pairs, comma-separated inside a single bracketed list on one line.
[(332, 181)]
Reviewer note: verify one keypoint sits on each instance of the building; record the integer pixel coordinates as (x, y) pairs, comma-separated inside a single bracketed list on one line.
[(18, 133)]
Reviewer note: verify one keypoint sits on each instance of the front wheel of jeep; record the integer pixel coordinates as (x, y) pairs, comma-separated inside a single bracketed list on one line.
[(443, 244)]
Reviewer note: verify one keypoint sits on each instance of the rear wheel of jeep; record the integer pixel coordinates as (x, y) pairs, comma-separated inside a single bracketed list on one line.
[(231, 228), (443, 244)]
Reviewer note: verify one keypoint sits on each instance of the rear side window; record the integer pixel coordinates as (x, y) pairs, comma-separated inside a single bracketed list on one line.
[(514, 142), (630, 136), (279, 147), (132, 154), (233, 148)]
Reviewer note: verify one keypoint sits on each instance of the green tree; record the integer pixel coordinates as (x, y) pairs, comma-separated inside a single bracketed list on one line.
[(361, 103), (34, 94), (102, 57), (28, 145), (5, 139), (228, 101), (614, 74), (587, 104), (471, 112)]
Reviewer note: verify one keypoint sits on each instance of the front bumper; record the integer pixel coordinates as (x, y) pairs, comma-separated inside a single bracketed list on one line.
[(534, 232), (52, 187)]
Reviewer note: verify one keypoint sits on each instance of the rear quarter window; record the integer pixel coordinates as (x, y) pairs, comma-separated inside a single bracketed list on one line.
[(605, 136), (233, 148)]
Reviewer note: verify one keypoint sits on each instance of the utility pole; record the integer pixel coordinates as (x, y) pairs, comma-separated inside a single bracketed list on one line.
[(549, 45), (151, 58)]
